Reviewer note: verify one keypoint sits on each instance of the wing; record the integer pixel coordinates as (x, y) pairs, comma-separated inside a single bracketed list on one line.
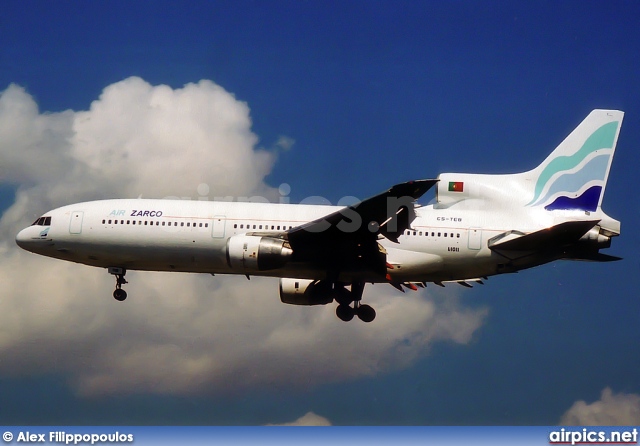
[(348, 239)]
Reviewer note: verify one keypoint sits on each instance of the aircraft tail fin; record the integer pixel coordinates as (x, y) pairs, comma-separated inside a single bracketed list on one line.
[(572, 177)]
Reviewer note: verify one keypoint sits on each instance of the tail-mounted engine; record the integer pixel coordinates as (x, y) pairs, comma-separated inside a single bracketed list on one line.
[(250, 253), (595, 239)]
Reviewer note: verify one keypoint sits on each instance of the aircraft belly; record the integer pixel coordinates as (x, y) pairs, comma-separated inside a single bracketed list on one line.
[(412, 264)]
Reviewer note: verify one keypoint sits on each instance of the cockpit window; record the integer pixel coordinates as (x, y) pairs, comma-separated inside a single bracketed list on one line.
[(42, 221)]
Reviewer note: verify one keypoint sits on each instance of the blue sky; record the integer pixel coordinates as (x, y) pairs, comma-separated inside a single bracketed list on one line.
[(375, 93)]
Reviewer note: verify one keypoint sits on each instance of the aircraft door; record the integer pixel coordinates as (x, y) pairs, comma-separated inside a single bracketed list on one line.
[(75, 225), (475, 238), (219, 222)]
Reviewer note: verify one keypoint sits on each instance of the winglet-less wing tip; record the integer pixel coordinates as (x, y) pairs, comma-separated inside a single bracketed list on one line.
[(415, 188)]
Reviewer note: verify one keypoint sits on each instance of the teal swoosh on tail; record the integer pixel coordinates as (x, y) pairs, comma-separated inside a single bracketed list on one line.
[(602, 138), (594, 170)]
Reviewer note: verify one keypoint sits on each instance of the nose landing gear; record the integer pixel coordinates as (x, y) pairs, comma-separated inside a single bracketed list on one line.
[(119, 294)]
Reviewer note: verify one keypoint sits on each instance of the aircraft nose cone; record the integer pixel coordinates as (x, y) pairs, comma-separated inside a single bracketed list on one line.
[(23, 239)]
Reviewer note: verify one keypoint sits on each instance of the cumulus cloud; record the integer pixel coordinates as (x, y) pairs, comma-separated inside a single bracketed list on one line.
[(612, 409), (308, 419), (177, 333), (136, 139)]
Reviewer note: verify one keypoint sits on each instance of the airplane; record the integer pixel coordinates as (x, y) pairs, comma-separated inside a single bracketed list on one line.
[(479, 225)]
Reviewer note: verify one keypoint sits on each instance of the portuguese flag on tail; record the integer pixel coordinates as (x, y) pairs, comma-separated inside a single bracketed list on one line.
[(456, 186)]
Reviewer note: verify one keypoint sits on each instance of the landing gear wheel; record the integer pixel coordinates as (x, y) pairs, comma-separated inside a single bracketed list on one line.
[(345, 312), (366, 313), (119, 294)]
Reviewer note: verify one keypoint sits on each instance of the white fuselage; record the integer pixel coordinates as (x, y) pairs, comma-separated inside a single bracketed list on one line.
[(192, 236)]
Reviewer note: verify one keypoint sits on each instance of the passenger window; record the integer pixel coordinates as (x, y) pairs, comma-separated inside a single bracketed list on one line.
[(260, 226), (189, 225), (115, 222), (103, 221), (109, 221), (206, 225), (182, 223), (458, 235), (162, 223), (420, 233), (278, 228), (439, 234), (201, 225), (445, 234), (272, 227), (134, 222), (414, 232), (157, 223)]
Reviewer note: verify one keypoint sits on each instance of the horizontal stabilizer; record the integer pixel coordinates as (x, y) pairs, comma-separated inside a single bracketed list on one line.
[(593, 257), (545, 239)]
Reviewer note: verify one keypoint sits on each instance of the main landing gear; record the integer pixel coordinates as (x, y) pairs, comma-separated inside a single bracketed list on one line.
[(365, 312), (119, 294), (344, 297)]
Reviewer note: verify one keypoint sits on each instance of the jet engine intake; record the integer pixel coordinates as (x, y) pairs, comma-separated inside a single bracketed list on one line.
[(305, 292), (249, 253)]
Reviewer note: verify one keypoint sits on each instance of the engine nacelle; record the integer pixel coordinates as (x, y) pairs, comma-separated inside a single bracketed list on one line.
[(305, 292), (249, 253), (595, 239)]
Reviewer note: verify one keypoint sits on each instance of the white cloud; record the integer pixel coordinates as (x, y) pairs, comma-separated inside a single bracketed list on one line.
[(285, 142), (177, 333), (308, 419), (612, 409)]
